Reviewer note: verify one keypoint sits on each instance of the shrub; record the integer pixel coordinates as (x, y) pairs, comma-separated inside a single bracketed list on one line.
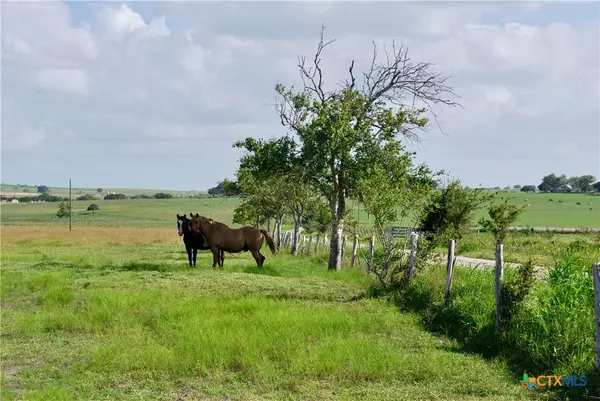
[(93, 207), (448, 215), (115, 196), (46, 197), (501, 217), (86, 197), (63, 209), (162, 195), (142, 196), (548, 325)]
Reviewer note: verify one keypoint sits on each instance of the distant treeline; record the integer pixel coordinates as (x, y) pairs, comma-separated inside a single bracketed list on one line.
[(46, 197), (159, 195)]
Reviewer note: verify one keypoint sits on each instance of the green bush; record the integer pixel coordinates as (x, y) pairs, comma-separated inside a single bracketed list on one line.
[(63, 209), (549, 326), (162, 195), (86, 197), (115, 196)]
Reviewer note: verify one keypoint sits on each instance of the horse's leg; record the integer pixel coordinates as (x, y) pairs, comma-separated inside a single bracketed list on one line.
[(257, 258), (195, 253), (262, 258), (189, 252), (215, 252), (222, 256)]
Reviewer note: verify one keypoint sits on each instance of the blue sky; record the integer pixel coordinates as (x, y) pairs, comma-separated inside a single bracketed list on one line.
[(153, 94)]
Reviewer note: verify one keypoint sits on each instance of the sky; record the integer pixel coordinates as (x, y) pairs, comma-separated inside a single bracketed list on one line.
[(153, 94)]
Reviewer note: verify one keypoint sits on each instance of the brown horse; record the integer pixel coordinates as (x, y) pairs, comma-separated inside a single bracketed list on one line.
[(234, 240), (192, 239)]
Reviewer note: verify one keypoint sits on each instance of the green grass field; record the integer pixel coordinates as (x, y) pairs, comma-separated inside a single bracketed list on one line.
[(112, 311), (116, 313), (161, 213)]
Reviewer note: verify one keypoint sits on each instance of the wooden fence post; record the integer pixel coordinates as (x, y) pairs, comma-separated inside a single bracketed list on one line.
[(309, 245), (413, 255), (449, 271), (354, 249), (317, 243), (303, 245), (596, 274), (324, 242), (499, 280)]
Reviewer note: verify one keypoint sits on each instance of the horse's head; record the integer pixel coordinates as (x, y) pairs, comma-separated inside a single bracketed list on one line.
[(198, 222), (183, 225)]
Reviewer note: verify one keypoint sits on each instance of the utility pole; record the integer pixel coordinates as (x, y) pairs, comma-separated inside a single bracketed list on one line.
[(70, 209)]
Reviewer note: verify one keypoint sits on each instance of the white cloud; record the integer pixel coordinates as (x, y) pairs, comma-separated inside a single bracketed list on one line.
[(17, 45), (121, 23), (231, 132), (45, 30), (176, 77), (71, 80), (17, 133)]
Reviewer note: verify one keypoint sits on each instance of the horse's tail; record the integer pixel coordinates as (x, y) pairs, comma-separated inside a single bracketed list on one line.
[(269, 241)]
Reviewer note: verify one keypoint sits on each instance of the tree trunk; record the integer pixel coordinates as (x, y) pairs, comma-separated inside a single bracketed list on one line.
[(296, 240), (268, 224), (337, 204), (278, 228), (257, 219)]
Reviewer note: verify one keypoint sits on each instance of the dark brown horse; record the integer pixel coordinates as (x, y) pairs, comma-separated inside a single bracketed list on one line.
[(233, 240), (192, 239)]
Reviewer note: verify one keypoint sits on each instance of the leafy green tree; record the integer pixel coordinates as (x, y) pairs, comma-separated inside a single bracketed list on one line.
[(392, 186), (345, 131), (230, 188), (584, 183), (265, 196), (596, 186), (225, 188), (266, 168), (247, 212), (502, 216), (42, 189), (528, 188), (99, 190), (63, 209), (552, 182), (449, 214), (318, 219), (93, 208), (302, 200)]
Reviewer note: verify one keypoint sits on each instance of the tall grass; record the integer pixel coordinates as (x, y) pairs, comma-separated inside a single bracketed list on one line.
[(550, 333), (115, 339)]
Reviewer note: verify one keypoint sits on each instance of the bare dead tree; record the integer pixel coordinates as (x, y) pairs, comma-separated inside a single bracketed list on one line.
[(396, 80)]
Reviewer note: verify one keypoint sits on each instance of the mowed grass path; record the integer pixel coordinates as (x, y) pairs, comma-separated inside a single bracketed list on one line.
[(109, 313), (161, 213)]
